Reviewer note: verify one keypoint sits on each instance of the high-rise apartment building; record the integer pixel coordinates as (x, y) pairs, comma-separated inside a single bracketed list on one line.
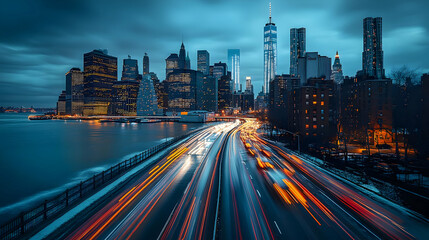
[(372, 56), (297, 48), (147, 103)]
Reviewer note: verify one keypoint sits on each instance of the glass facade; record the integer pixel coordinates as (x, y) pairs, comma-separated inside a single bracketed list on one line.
[(130, 70), (124, 98), (182, 89), (208, 94), (372, 56), (234, 64), (270, 54), (203, 62)]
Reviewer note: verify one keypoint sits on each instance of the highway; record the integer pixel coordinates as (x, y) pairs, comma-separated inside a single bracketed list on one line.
[(268, 192), (171, 200), (227, 182)]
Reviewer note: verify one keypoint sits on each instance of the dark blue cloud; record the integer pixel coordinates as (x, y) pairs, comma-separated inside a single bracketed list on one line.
[(42, 40)]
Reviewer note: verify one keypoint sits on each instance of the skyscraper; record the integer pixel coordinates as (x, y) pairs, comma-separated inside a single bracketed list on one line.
[(171, 63), (124, 98), (312, 65), (234, 64), (145, 64), (270, 53), (147, 103), (372, 56), (249, 86), (203, 62), (182, 57), (74, 92), (297, 48), (182, 85), (207, 94), (224, 91), (130, 70), (187, 61), (219, 69), (100, 72), (337, 70)]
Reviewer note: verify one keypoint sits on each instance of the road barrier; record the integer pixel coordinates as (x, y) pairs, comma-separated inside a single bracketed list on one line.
[(55, 206)]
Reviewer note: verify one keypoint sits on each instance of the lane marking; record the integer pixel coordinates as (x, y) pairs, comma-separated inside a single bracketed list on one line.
[(278, 227), (258, 193), (351, 216), (166, 223)]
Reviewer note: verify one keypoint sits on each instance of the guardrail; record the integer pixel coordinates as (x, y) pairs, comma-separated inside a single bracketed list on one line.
[(55, 206)]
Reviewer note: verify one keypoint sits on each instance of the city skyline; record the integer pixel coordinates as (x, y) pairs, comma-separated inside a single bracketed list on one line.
[(33, 68)]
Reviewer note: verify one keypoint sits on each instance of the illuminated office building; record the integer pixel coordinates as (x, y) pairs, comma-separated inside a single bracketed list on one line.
[(100, 72), (74, 92), (124, 98), (130, 69), (203, 62)]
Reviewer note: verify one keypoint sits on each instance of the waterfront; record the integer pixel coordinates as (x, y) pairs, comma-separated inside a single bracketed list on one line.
[(40, 158)]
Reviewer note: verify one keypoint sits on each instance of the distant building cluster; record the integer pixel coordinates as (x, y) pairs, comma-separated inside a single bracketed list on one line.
[(97, 91)]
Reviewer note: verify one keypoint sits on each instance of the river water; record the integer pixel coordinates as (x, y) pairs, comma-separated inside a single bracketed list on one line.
[(41, 158)]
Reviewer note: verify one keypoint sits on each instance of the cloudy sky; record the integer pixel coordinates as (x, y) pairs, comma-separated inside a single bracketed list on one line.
[(41, 40)]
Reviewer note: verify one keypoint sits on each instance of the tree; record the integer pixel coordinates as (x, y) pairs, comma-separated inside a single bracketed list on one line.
[(400, 75)]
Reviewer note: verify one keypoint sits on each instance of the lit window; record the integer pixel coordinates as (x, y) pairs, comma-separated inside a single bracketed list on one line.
[(314, 119), (306, 96), (314, 126), (314, 95), (306, 126), (314, 102), (322, 103)]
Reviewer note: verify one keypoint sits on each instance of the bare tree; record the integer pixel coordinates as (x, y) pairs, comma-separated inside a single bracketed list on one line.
[(400, 75)]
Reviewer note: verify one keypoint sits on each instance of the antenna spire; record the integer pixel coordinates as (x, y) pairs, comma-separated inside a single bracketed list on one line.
[(270, 12)]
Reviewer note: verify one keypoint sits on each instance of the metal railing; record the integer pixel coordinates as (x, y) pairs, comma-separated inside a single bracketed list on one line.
[(55, 206)]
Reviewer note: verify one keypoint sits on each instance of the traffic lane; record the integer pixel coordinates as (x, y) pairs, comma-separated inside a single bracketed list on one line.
[(381, 217), (195, 214), (117, 209), (242, 215), (290, 220)]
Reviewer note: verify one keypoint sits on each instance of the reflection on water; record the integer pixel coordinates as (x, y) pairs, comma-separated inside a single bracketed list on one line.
[(38, 156)]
